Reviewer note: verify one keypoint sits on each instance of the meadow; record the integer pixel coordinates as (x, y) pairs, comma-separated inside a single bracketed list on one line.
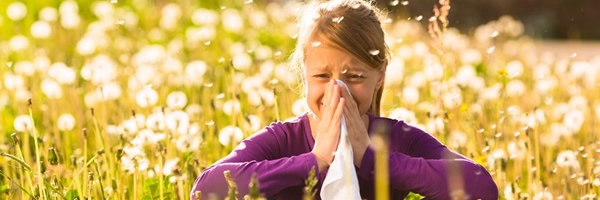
[(111, 99)]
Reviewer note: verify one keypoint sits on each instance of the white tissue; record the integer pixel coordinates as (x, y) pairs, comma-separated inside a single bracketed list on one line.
[(341, 181)]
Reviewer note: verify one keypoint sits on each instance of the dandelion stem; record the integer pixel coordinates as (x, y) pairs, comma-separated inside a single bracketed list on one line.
[(38, 160)]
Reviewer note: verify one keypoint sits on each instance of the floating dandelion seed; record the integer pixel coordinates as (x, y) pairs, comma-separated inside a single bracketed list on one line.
[(220, 96), (394, 2), (223, 7), (9, 64), (277, 53), (374, 52), (419, 18), (113, 1), (494, 34), (120, 22), (404, 3), (356, 5), (491, 50), (338, 19), (432, 18), (208, 85), (344, 71), (248, 1), (573, 55), (207, 43), (316, 43), (210, 123)]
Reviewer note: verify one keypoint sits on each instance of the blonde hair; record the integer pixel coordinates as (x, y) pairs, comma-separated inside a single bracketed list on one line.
[(352, 25)]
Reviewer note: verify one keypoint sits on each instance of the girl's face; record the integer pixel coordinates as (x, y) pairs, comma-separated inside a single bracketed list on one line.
[(324, 62)]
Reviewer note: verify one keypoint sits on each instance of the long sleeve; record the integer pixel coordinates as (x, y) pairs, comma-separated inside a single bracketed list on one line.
[(420, 163), (265, 153)]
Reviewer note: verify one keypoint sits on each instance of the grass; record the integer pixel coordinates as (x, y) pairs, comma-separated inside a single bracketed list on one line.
[(529, 117)]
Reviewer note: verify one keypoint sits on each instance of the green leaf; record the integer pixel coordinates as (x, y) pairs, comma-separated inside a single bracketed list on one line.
[(72, 195)]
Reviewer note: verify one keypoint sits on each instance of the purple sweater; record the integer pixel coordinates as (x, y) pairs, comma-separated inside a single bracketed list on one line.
[(281, 156)]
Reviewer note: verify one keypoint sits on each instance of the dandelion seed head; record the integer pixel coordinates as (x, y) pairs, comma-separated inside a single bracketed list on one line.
[(176, 100), (61, 73), (66, 122), (300, 106), (232, 21), (394, 72), (170, 14), (404, 115), (514, 69), (48, 14), (18, 43), (242, 61), (40, 29), (404, 3), (23, 123), (229, 132), (491, 49), (419, 18), (567, 159), (51, 89), (574, 120), (410, 95), (16, 11), (177, 122), (146, 97), (25, 68), (86, 46), (515, 88), (110, 91)]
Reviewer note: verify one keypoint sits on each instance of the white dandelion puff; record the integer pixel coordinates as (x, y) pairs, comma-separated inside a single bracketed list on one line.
[(23, 123), (177, 122), (203, 16), (51, 89), (231, 107), (543, 195), (187, 143), (155, 121), (146, 97), (170, 14), (515, 88), (567, 159), (18, 43), (25, 68), (242, 61), (574, 120), (16, 11), (66, 122), (516, 150), (300, 106), (194, 72), (86, 46), (230, 132), (170, 166), (110, 91), (403, 114), (410, 95), (232, 21), (176, 100), (514, 69), (48, 14), (13, 82), (40, 29), (62, 73)]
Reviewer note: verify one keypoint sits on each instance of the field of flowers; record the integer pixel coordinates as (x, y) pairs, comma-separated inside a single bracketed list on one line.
[(132, 99)]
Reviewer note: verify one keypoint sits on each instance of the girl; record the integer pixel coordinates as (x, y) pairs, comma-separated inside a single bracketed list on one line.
[(343, 40)]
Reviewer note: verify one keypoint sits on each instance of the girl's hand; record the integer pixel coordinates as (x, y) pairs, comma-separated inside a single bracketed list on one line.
[(328, 134), (357, 131)]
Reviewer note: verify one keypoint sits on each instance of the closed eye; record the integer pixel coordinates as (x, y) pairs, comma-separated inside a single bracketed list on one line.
[(355, 77)]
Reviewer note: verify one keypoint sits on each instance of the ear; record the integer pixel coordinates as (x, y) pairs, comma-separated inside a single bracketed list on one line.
[(381, 75)]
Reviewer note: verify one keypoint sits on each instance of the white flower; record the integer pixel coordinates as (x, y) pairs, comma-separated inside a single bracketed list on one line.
[(70, 20), (13, 82), (66, 122), (420, 48), (514, 69), (232, 107), (18, 43), (102, 69), (203, 16), (155, 121), (169, 166), (41, 29), (267, 96), (464, 75), (457, 139), (176, 100), (515, 88), (86, 46), (41, 63), (403, 114), (395, 71), (62, 73), (258, 18), (567, 159), (470, 56), (194, 71), (130, 126), (170, 16), (16, 11), (23, 123), (25, 68), (435, 125), (134, 159), (232, 21), (147, 136), (177, 122), (452, 99), (543, 195), (22, 94), (433, 71), (545, 85), (193, 109), (102, 9), (573, 120), (146, 97), (416, 80), (48, 14), (252, 84), (491, 93), (187, 143), (197, 35), (51, 89), (516, 150), (253, 123), (300, 106), (229, 132), (242, 61), (578, 102), (110, 91)]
